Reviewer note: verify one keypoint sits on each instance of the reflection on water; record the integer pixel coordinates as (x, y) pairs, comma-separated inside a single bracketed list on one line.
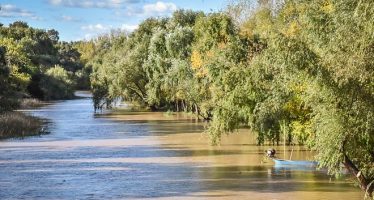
[(124, 155)]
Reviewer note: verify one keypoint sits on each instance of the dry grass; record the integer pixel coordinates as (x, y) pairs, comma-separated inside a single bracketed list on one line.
[(17, 124), (30, 103)]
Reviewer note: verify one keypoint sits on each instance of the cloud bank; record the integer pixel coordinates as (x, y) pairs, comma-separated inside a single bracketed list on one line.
[(93, 3), (12, 11), (94, 30)]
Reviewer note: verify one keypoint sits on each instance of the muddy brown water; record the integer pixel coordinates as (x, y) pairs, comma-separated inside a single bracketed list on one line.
[(142, 155)]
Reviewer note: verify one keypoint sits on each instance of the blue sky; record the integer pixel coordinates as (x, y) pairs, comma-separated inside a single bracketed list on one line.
[(84, 19)]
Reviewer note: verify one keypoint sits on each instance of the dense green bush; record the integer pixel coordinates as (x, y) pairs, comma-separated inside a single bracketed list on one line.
[(57, 83)]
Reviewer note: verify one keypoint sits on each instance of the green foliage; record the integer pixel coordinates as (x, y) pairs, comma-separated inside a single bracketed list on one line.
[(57, 83), (27, 54), (6, 94), (69, 57)]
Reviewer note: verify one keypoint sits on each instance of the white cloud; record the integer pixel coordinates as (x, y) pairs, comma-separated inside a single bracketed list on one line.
[(153, 9), (129, 28), (159, 8), (70, 18), (87, 36), (11, 11), (98, 28), (94, 30), (92, 3)]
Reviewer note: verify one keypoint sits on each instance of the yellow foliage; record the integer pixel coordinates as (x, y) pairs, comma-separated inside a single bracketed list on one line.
[(221, 45), (328, 7), (202, 72), (197, 63), (295, 106), (209, 54), (302, 130), (292, 29), (87, 50), (22, 79), (196, 60), (246, 30), (298, 87)]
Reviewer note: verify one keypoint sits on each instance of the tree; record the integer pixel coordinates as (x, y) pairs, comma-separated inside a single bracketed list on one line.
[(69, 57)]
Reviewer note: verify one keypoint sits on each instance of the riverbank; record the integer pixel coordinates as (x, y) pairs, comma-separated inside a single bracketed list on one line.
[(30, 103), (18, 125)]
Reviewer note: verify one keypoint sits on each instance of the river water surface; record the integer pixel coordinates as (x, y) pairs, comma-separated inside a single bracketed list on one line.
[(140, 155)]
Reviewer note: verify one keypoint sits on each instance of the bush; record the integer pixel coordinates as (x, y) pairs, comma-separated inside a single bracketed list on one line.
[(57, 83)]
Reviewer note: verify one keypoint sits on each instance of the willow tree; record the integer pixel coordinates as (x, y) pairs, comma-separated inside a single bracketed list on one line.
[(340, 34), (118, 67), (179, 77), (212, 34), (315, 79), (117, 70)]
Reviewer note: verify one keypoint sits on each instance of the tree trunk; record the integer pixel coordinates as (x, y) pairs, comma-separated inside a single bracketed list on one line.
[(177, 102), (196, 110), (183, 106), (364, 182)]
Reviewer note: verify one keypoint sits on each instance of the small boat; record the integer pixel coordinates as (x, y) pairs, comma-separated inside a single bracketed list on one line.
[(306, 163), (289, 163)]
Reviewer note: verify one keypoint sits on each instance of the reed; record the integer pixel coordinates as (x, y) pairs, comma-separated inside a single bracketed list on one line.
[(17, 124), (28, 103)]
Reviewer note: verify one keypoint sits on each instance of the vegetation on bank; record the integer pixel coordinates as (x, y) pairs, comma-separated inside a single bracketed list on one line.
[(300, 67), (34, 64), (28, 103), (17, 124)]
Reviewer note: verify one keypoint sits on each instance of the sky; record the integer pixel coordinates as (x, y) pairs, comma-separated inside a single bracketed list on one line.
[(85, 19)]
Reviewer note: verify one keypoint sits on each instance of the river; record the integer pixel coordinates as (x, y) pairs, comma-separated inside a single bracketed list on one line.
[(145, 155)]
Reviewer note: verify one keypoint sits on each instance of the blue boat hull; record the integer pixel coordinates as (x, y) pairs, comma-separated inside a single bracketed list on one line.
[(280, 162)]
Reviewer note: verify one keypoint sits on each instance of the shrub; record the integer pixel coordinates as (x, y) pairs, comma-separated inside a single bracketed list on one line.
[(57, 83)]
